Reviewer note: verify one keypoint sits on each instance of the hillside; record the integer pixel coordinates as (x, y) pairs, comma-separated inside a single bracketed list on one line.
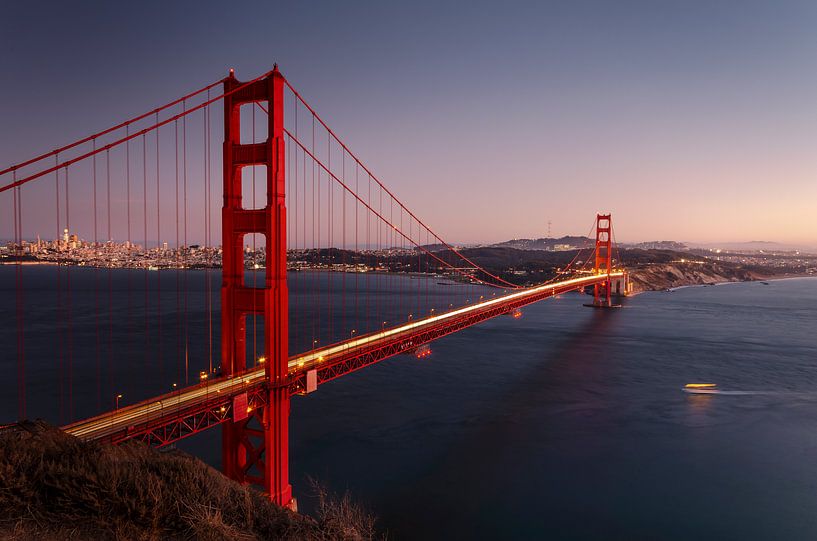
[(54, 486), (661, 276), (547, 243), (649, 269)]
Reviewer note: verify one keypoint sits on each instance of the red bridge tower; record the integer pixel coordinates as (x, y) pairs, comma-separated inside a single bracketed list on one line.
[(255, 443), (604, 259)]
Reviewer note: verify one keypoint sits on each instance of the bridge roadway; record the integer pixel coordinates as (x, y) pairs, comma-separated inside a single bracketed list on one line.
[(173, 416)]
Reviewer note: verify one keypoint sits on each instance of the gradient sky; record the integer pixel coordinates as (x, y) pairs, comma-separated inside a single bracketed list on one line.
[(692, 121)]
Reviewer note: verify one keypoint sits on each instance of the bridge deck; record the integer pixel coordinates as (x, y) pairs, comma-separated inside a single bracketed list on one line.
[(173, 416)]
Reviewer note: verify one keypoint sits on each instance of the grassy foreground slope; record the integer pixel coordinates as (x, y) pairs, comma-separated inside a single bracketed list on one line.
[(54, 486)]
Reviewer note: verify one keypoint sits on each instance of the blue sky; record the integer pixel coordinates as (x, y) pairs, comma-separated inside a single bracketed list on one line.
[(688, 120)]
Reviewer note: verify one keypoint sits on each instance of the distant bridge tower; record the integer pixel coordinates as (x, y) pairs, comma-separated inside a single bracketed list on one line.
[(604, 259), (255, 443)]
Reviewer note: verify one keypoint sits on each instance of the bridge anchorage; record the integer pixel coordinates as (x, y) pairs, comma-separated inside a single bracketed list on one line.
[(250, 397)]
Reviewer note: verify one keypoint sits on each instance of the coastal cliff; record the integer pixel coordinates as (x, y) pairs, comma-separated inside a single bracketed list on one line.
[(661, 276)]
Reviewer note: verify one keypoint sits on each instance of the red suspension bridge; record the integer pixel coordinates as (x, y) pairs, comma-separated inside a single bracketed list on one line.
[(134, 205)]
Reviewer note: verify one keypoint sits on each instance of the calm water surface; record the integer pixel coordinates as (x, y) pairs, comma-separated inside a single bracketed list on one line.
[(570, 423)]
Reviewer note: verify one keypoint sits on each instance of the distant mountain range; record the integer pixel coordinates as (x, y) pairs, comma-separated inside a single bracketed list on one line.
[(573, 242), (754, 246), (548, 244), (570, 242)]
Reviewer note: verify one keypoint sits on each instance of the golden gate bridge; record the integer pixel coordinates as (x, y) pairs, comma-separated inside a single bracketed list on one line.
[(307, 203)]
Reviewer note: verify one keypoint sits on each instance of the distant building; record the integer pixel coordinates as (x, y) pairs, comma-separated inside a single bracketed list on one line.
[(662, 245)]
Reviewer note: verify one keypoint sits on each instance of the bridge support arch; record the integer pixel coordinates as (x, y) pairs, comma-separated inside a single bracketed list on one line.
[(255, 443)]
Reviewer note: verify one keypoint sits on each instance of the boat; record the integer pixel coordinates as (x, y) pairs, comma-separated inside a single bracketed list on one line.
[(701, 388)]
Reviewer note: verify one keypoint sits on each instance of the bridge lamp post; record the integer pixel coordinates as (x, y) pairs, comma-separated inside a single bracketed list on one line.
[(352, 334), (118, 397), (314, 343), (203, 378), (173, 389), (383, 326), (410, 316)]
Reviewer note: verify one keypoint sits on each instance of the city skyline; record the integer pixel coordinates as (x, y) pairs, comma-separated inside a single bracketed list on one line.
[(681, 121), (153, 244)]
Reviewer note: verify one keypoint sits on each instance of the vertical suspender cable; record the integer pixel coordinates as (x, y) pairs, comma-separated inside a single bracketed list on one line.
[(129, 272), (186, 249), (290, 217), (315, 315), (177, 262), (357, 252), (70, 335), (371, 286), (329, 240), (60, 324), (110, 273), (145, 245), (207, 306), (295, 326), (159, 259), (379, 251), (18, 242), (344, 328), (320, 261), (96, 294), (209, 234)]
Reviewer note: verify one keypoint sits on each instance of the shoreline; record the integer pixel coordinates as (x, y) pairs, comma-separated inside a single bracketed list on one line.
[(790, 277), (728, 282)]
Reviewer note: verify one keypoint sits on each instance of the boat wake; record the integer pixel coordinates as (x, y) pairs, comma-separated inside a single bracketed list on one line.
[(732, 393), (712, 388)]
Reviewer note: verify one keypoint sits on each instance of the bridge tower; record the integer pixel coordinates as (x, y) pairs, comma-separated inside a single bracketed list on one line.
[(255, 444), (604, 259)]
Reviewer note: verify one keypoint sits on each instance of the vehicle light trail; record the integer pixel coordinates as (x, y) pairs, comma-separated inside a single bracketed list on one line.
[(219, 391)]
